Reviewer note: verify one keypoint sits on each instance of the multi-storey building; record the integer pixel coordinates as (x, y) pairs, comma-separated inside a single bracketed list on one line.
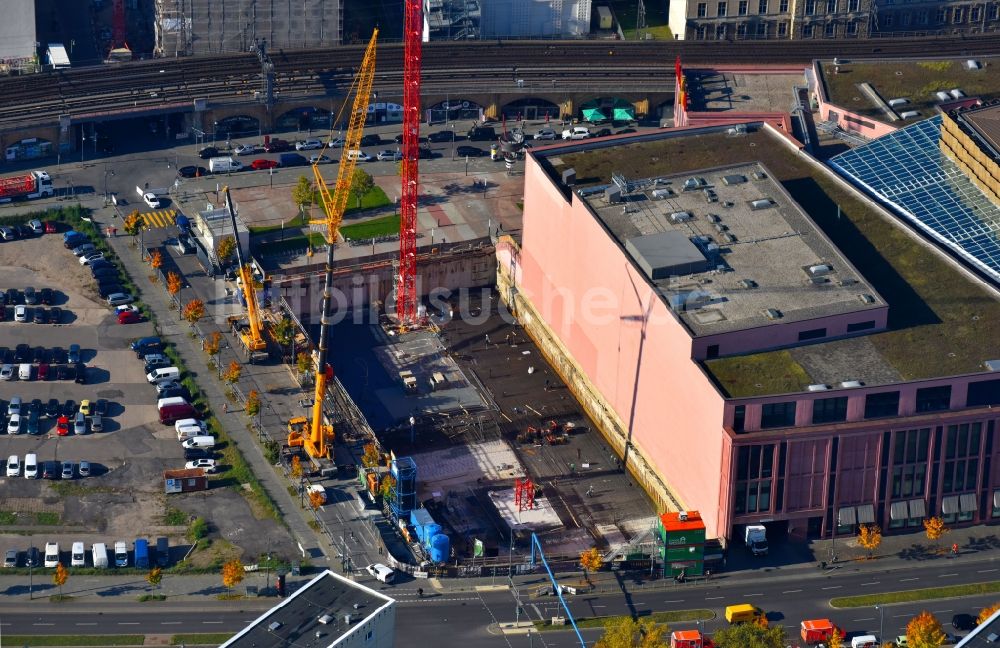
[(770, 19), (904, 17), (471, 19)]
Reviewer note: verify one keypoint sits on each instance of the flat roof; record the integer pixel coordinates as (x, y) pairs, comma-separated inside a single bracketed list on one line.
[(759, 254), (942, 322), (985, 635), (297, 617), (985, 120), (17, 29)]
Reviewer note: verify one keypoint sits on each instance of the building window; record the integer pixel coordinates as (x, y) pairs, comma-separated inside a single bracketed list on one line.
[(762, 7), (960, 470), (739, 418), (882, 404), (959, 15), (810, 7), (995, 12), (909, 470), (934, 399), (741, 30), (783, 6), (812, 334), (853, 5), (754, 473), (720, 31), (922, 17), (984, 392), (774, 415), (831, 6), (743, 7), (782, 29), (712, 351), (807, 31), (974, 14), (830, 410), (904, 19), (942, 16), (762, 30), (701, 32), (852, 30), (828, 29), (702, 9), (722, 8), (887, 20)]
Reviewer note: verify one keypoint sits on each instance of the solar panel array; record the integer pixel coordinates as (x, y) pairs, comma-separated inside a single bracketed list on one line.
[(908, 171)]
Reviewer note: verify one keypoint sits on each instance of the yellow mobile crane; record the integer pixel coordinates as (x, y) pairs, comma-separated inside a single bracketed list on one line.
[(250, 336), (313, 435)]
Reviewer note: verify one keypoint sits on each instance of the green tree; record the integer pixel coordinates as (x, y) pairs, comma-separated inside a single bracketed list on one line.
[(386, 487), (284, 331), (626, 632), (361, 183), (750, 635), (303, 194), (304, 362)]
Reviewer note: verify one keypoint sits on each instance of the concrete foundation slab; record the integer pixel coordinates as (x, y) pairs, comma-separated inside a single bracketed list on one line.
[(538, 518)]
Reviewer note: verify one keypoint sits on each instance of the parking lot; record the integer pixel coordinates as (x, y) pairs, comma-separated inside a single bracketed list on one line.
[(124, 492)]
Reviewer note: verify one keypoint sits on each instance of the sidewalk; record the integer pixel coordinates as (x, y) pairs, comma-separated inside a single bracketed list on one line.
[(233, 420)]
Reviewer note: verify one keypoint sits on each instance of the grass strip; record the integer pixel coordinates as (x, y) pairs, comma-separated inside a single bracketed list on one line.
[(909, 596), (204, 638), (74, 640), (673, 616), (382, 226)]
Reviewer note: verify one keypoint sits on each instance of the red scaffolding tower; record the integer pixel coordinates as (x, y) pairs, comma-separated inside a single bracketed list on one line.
[(118, 25), (406, 289)]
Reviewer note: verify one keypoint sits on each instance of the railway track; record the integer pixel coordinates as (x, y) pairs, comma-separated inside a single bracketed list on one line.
[(41, 99)]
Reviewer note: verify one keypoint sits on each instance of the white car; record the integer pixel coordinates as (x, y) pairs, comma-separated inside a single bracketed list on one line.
[(545, 134), (36, 226), (391, 156), (123, 308), (316, 158), (576, 133), (151, 200), (86, 248), (14, 406), (7, 372), (246, 149), (14, 466), (20, 313), (208, 464), (336, 142), (116, 299), (308, 145), (320, 490), (90, 257), (14, 424)]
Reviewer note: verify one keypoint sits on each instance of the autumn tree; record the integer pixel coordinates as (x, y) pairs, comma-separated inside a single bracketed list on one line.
[(225, 250), (174, 283), (232, 573), (155, 576), (194, 310), (626, 632), (284, 331), (987, 612), (60, 576), (304, 362), (835, 640), (750, 635), (232, 374), (302, 194), (212, 344), (316, 499), (934, 527), (253, 403), (296, 467), (924, 631), (361, 183), (371, 457), (132, 224), (870, 537), (156, 260), (386, 486), (591, 560)]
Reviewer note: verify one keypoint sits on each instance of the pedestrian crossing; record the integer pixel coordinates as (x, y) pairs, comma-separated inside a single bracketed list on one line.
[(159, 218)]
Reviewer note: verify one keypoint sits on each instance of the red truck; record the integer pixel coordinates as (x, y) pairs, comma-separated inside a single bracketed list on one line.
[(33, 184), (817, 631), (689, 639)]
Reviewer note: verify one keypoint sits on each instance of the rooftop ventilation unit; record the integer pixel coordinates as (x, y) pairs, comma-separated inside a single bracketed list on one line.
[(956, 93), (942, 95), (850, 384), (866, 298), (758, 175), (694, 183), (818, 387), (569, 177), (733, 179), (848, 281), (682, 516), (820, 269), (763, 203), (895, 103), (772, 314), (712, 218), (992, 365), (747, 283), (720, 228), (660, 194), (972, 64), (326, 619), (728, 237), (909, 114), (680, 217), (613, 194), (591, 191)]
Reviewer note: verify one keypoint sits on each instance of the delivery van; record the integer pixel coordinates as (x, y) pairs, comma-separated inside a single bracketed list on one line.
[(51, 554), (141, 553), (78, 556), (173, 413), (864, 641), (121, 554), (187, 431), (224, 165), (742, 613), (163, 374), (815, 631), (173, 400), (199, 442), (99, 554)]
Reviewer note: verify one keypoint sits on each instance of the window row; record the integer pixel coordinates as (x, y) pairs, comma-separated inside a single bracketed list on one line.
[(743, 7), (941, 16)]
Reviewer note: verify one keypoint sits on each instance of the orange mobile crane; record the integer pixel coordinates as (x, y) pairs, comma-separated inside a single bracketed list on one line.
[(250, 336), (314, 436)]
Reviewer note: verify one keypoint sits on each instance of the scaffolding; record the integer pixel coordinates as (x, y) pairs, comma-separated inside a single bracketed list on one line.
[(404, 487)]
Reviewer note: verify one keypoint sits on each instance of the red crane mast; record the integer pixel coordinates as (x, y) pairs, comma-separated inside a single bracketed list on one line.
[(118, 24), (406, 289)]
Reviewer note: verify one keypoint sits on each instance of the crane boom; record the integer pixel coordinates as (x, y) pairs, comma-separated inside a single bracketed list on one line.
[(315, 442), (254, 342)]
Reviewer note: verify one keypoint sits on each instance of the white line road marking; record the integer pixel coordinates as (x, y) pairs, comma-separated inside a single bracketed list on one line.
[(219, 622), (946, 575), (833, 587), (43, 624), (985, 571), (170, 622), (942, 611), (714, 598), (900, 616), (866, 619), (791, 591), (130, 623), (677, 601), (754, 594), (903, 580), (871, 583), (89, 624)]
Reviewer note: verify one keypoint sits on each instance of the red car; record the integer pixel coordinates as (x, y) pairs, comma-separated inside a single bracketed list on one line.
[(43, 371), (129, 317), (259, 165), (51, 227), (62, 426)]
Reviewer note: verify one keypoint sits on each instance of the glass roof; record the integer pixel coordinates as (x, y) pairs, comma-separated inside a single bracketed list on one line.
[(908, 172)]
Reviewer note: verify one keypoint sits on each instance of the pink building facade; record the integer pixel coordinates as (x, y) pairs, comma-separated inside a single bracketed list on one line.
[(806, 464)]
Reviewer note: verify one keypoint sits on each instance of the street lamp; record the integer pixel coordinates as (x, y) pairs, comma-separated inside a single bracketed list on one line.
[(106, 173), (453, 142), (215, 128), (881, 618)]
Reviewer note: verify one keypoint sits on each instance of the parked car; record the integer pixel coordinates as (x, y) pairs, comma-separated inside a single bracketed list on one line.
[(83, 469), (74, 354), (14, 466), (208, 152), (86, 248), (390, 156), (336, 142), (441, 136), (62, 426), (14, 424), (469, 151), (20, 313), (247, 149), (30, 296), (36, 227), (10, 558), (308, 145), (50, 470), (7, 372), (371, 140), (104, 290), (192, 172), (576, 133), (45, 296), (277, 146), (129, 317), (208, 465), (41, 315), (55, 315), (115, 299), (151, 199), (67, 470), (52, 408), (546, 134), (90, 257), (262, 164), (316, 158)]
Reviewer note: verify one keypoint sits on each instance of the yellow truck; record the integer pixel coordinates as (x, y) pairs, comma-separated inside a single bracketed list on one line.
[(743, 613)]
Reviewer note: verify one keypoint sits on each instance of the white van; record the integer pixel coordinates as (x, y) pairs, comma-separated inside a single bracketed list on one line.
[(224, 165), (189, 422), (24, 371), (381, 572), (163, 374), (173, 400), (865, 641), (14, 466), (31, 466), (99, 554), (188, 431), (121, 554), (358, 156), (51, 554), (78, 557), (199, 442)]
